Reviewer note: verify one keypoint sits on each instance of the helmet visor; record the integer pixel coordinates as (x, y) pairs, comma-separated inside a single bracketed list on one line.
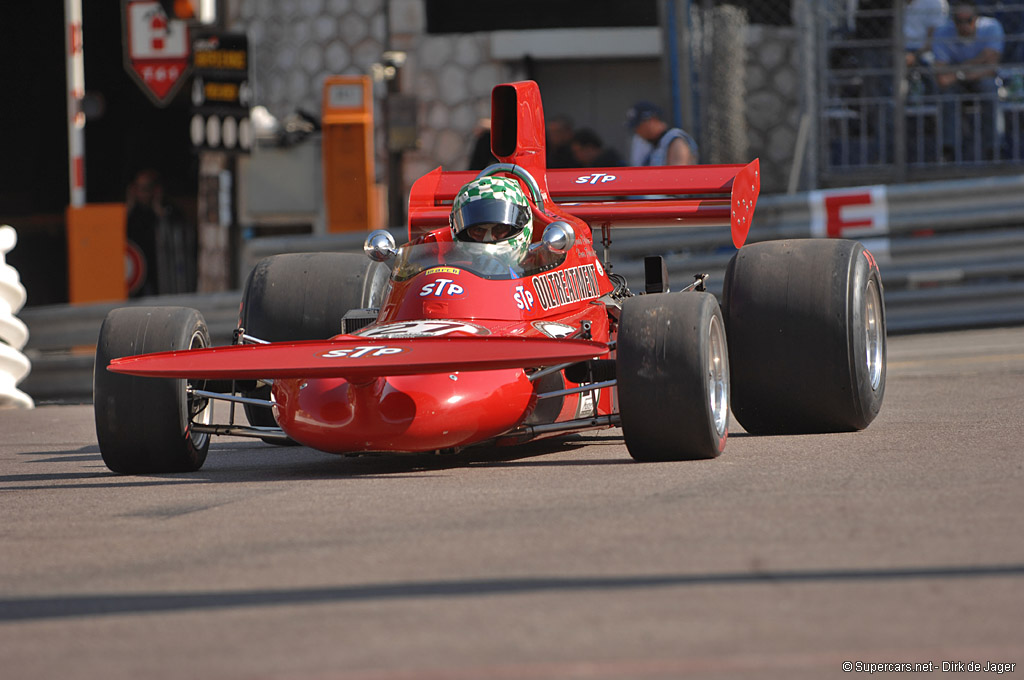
[(488, 221)]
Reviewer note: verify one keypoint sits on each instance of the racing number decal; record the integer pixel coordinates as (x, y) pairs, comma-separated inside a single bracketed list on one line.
[(553, 329), (359, 352), (413, 329)]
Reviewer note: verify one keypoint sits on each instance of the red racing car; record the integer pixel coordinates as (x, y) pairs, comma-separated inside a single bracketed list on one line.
[(498, 323)]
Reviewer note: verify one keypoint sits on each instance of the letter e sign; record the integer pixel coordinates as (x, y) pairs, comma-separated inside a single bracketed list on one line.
[(849, 213)]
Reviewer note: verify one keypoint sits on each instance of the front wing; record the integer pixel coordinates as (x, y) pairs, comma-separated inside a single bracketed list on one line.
[(357, 358)]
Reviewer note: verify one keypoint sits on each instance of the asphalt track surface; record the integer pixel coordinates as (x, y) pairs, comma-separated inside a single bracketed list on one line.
[(784, 558)]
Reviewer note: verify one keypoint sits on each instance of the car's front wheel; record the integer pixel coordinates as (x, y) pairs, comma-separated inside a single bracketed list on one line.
[(673, 377), (144, 425)]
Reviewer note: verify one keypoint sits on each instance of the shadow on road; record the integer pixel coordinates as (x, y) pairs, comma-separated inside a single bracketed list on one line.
[(29, 609), (234, 462)]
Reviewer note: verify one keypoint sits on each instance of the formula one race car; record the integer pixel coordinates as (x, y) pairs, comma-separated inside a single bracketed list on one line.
[(497, 323)]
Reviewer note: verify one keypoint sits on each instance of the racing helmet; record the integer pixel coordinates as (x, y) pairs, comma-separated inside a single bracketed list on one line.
[(494, 211)]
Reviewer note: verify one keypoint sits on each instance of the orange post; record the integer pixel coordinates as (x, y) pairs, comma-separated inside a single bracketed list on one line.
[(96, 252), (349, 191)]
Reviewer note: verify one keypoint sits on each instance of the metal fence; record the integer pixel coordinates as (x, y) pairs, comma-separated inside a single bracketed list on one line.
[(897, 104)]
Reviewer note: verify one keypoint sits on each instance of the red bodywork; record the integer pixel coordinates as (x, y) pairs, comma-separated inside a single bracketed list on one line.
[(461, 376)]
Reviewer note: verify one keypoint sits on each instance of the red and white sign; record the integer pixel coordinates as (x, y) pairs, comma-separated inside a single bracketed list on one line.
[(156, 49), (860, 213), (849, 213)]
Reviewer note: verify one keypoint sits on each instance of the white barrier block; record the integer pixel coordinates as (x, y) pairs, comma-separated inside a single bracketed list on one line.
[(14, 365)]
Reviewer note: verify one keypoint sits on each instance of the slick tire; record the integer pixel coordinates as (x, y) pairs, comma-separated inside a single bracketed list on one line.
[(144, 425), (302, 296), (673, 377), (806, 325)]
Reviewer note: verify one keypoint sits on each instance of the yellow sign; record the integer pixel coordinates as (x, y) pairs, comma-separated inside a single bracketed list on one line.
[(226, 60)]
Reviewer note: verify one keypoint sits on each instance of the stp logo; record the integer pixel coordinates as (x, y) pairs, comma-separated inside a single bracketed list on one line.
[(442, 287), (523, 298), (596, 178), (362, 351)]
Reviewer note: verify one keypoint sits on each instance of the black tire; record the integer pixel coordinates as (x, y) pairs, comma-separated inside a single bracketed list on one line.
[(673, 377), (806, 326), (143, 425), (302, 296)]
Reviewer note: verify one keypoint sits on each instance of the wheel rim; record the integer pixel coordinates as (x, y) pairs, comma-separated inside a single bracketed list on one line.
[(874, 334), (200, 409), (718, 376)]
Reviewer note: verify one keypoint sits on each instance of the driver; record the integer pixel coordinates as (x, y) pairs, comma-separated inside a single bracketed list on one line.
[(494, 211)]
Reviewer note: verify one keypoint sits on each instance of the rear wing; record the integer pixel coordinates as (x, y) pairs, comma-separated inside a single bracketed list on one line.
[(689, 195)]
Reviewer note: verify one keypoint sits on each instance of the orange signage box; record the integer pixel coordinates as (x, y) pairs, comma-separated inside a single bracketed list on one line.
[(347, 121), (96, 251)]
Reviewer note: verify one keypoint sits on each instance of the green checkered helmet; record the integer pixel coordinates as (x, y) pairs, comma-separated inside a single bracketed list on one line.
[(495, 211)]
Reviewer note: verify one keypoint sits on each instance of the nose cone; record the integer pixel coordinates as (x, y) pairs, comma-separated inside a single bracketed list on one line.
[(402, 413)]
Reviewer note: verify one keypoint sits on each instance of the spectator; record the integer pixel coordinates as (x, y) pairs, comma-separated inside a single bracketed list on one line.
[(482, 156), (920, 21), (669, 145), (589, 152), (639, 149), (162, 238), (1010, 15), (559, 137), (968, 49)]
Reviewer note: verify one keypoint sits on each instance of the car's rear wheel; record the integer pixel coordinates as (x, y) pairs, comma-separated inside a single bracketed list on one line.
[(673, 377), (302, 296), (806, 326), (144, 425)]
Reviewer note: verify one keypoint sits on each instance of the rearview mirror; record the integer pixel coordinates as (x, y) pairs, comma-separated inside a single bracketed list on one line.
[(380, 246), (558, 237)]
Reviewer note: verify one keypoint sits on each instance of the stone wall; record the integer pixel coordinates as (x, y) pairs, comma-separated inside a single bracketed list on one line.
[(773, 101), (451, 77), (296, 44)]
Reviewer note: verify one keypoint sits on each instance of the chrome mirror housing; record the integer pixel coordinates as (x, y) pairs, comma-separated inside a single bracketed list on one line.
[(380, 246), (559, 237)]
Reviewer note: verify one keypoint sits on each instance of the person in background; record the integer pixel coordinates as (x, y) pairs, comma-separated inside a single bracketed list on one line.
[(669, 145), (639, 149), (920, 21), (481, 156), (559, 136), (163, 241), (588, 151), (968, 49)]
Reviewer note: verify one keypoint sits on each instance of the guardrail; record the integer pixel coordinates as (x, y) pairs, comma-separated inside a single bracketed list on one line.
[(14, 365), (951, 255)]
